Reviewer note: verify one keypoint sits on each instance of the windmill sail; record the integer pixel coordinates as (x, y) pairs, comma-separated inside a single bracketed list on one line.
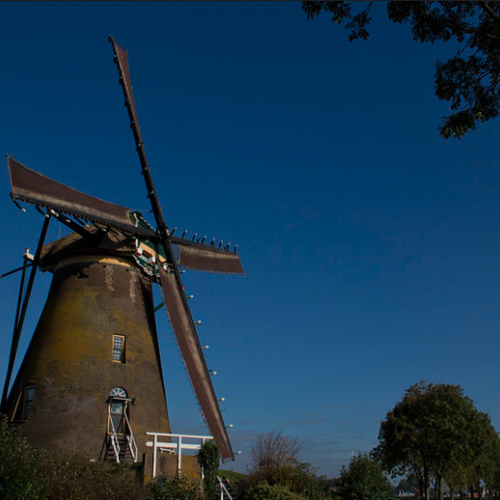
[(175, 299), (121, 58), (206, 258), (194, 361), (32, 187)]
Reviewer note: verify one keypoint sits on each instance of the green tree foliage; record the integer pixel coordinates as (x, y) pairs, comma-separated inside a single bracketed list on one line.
[(481, 453), (209, 459), (470, 79), (436, 433), (363, 479), (493, 481)]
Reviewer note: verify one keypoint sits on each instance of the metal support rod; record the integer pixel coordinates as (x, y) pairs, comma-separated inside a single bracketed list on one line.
[(72, 225), (13, 346), (20, 297), (158, 307), (22, 268), (22, 315)]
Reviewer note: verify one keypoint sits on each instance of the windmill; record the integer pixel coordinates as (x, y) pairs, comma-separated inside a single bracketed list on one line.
[(92, 378)]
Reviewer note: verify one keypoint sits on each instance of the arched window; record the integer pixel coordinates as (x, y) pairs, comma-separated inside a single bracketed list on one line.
[(118, 392)]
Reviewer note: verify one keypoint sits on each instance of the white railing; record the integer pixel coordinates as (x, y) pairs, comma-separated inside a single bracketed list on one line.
[(160, 442), (224, 494), (114, 441), (131, 440)]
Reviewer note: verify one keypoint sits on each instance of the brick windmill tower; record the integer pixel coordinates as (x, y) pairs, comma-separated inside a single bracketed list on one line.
[(91, 379)]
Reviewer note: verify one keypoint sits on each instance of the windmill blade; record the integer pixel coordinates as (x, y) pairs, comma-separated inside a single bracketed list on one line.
[(194, 361), (32, 187), (174, 296), (201, 257), (121, 60)]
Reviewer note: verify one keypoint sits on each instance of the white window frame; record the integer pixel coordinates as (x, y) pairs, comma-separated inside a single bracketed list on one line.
[(118, 351)]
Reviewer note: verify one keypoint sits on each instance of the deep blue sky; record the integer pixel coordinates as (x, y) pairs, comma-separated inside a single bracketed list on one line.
[(370, 243)]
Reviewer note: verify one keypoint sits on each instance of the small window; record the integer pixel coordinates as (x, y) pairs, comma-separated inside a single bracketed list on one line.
[(24, 403), (29, 392), (119, 348)]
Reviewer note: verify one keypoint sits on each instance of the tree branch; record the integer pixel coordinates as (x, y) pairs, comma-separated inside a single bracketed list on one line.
[(486, 8)]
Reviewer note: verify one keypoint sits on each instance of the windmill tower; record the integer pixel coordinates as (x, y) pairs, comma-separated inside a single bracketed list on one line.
[(91, 379)]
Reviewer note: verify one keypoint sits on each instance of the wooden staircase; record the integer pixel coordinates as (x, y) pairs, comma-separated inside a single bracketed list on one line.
[(124, 453)]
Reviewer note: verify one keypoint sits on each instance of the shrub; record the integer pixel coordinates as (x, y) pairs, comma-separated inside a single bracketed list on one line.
[(363, 479), (75, 478), (30, 473), (264, 491), (209, 459), (20, 477), (179, 488)]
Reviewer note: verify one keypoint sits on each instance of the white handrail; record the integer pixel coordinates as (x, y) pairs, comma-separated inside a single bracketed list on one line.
[(114, 440), (169, 446), (223, 490), (131, 440), (170, 435)]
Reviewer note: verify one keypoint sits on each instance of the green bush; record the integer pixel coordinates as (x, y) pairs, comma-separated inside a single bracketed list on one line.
[(20, 474), (264, 491), (30, 473), (179, 488), (298, 479), (363, 479), (75, 478)]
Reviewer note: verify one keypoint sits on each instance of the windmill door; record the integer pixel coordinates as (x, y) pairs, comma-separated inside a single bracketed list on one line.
[(117, 411)]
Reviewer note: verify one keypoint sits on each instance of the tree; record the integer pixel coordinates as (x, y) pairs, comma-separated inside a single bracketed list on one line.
[(480, 461), (209, 459), (436, 433), (273, 449), (363, 480), (470, 79), (493, 481)]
